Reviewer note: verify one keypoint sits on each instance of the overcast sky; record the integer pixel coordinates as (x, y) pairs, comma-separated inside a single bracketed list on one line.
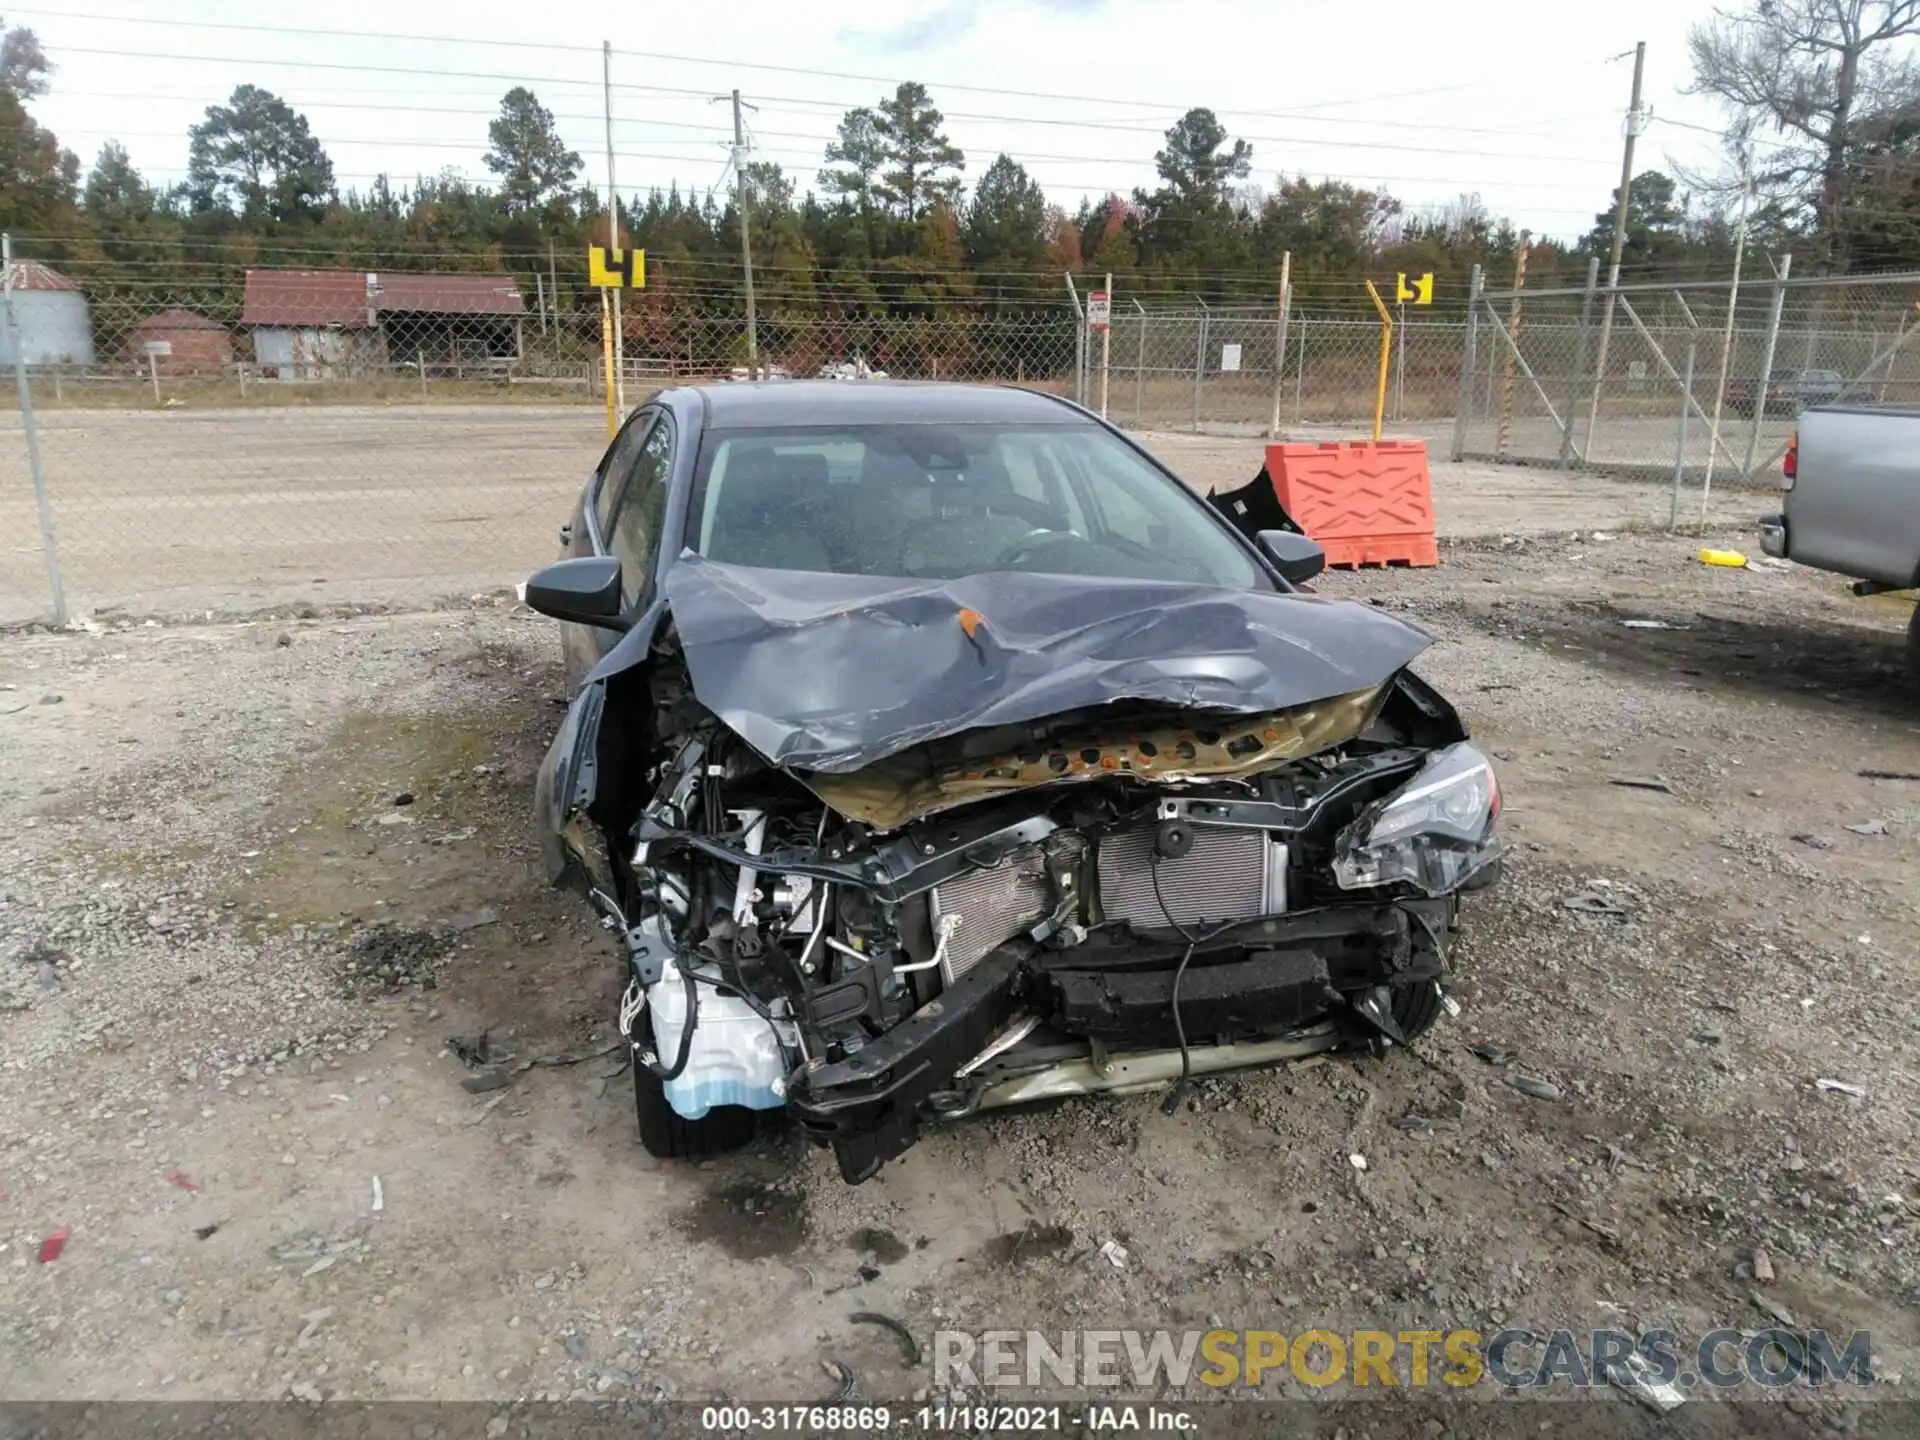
[(1429, 100)]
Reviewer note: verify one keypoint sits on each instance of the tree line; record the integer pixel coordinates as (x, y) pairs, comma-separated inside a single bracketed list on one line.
[(1821, 109)]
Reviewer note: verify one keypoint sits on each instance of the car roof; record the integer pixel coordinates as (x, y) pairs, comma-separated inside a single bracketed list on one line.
[(783, 404)]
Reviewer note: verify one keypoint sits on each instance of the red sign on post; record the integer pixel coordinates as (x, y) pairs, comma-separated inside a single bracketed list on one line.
[(1099, 310)]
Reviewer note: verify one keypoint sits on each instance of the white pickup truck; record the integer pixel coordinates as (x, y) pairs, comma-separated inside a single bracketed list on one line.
[(1852, 502)]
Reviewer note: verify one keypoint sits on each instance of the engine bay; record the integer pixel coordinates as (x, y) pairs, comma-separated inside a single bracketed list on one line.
[(1040, 895)]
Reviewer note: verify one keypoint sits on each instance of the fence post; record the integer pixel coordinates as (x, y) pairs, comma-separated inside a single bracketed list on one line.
[(1680, 452), (1140, 371), (1106, 347), (1199, 361), (1726, 348), (1280, 341), (1686, 405), (1899, 339), (1079, 344), (1580, 358), (49, 542), (1766, 360), (1300, 377), (1503, 433), (1469, 362)]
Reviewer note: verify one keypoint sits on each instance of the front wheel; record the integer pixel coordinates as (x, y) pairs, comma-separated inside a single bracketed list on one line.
[(1417, 1007), (1913, 642), (668, 1136)]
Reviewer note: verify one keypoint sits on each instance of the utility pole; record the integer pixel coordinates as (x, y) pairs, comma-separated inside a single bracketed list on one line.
[(1636, 122), (613, 231), (746, 238)]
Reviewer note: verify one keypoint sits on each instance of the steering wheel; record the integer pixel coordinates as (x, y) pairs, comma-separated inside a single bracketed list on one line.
[(1026, 545), (1040, 516)]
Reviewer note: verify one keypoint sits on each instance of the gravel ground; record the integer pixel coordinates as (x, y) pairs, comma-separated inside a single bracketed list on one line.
[(255, 875)]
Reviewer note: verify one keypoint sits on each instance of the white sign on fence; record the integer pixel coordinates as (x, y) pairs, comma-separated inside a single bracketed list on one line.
[(1229, 358), (157, 347), (1099, 310)]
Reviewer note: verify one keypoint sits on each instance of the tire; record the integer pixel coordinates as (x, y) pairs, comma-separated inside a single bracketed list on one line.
[(1416, 1008), (669, 1137), (1913, 642)]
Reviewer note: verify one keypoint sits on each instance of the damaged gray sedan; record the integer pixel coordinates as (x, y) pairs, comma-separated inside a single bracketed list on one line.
[(933, 748)]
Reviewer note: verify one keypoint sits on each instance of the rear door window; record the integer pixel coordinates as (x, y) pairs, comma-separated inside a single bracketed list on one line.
[(634, 536)]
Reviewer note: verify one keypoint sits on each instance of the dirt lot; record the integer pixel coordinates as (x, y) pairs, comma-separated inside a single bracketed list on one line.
[(230, 962), (177, 513)]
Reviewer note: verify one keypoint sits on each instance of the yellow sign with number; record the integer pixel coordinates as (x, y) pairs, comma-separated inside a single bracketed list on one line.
[(1419, 291), (616, 269)]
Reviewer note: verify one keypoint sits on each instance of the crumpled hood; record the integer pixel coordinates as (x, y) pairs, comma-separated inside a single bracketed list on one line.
[(834, 672)]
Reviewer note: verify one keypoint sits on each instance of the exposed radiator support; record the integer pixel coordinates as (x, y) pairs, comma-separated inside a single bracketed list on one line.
[(1229, 874), (995, 905)]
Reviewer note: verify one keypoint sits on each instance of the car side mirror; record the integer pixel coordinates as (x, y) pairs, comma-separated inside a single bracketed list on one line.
[(1295, 556), (584, 590)]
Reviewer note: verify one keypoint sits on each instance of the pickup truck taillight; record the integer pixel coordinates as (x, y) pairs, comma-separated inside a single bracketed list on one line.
[(1790, 467)]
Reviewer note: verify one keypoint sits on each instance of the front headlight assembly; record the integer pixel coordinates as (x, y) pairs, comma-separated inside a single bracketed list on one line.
[(1434, 833)]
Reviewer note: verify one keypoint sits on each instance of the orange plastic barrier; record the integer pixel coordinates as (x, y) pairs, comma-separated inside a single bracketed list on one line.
[(1365, 502)]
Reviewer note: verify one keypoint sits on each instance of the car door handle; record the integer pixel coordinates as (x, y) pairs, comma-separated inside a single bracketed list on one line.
[(566, 535)]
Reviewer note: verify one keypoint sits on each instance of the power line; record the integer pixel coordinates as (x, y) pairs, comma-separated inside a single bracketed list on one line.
[(1722, 134), (809, 71), (774, 106), (1022, 120)]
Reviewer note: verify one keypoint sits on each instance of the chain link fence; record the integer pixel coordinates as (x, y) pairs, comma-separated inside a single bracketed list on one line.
[(1242, 371), (260, 438), (1684, 381), (232, 438)]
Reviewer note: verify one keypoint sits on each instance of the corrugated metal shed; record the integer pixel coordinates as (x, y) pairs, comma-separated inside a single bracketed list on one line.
[(306, 297), (353, 299), (32, 275), (448, 294)]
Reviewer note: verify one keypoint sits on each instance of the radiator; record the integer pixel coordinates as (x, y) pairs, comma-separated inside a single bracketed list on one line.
[(995, 905), (1229, 874)]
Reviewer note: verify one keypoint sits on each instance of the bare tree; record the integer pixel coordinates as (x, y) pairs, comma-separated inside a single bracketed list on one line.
[(1818, 73)]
